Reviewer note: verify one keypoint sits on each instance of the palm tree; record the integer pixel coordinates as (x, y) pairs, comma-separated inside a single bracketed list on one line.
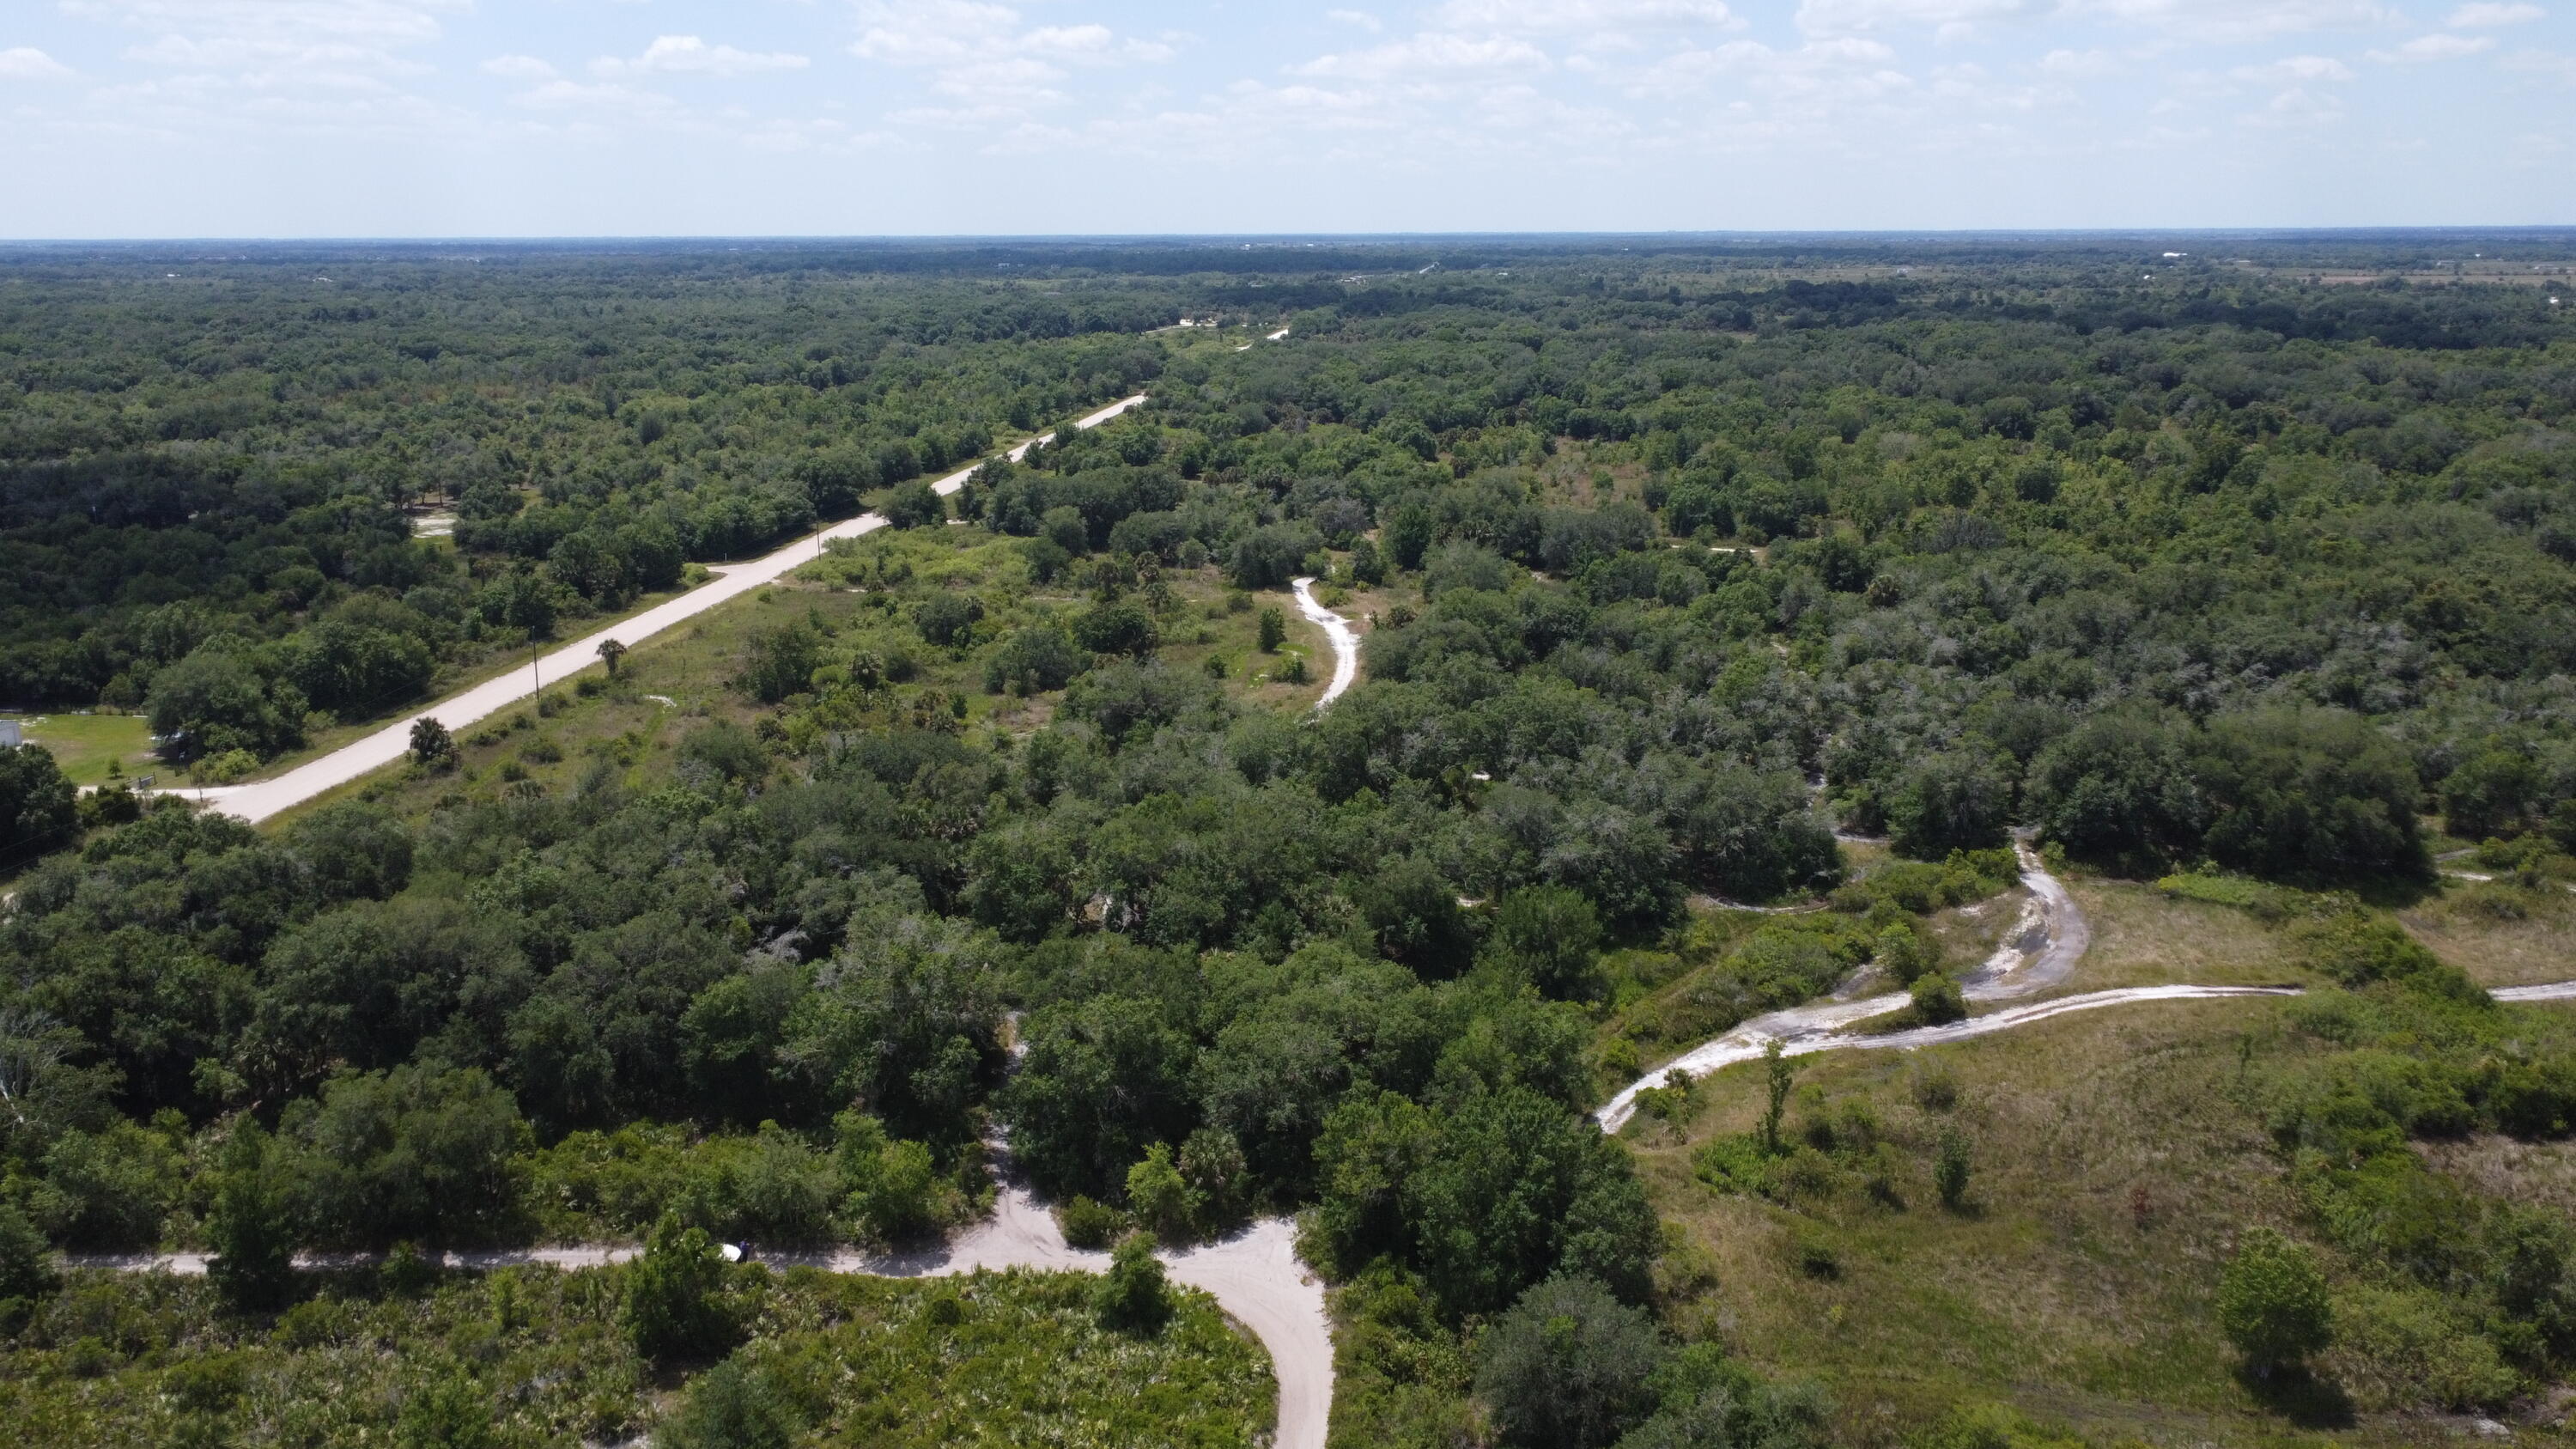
[(610, 651)]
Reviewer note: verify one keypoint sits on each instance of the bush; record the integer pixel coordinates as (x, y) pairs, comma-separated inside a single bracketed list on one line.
[(1158, 1197), (729, 1407), (252, 1265), (674, 1309), (1274, 630), (26, 1262), (1937, 1000), (1090, 1225), (2272, 1302), (915, 505), (1951, 1170), (1133, 1298), (1569, 1367)]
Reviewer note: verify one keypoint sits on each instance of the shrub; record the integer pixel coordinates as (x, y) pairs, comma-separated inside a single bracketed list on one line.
[(915, 505), (1088, 1224), (674, 1307), (730, 1407), (1569, 1367), (251, 1268), (2272, 1302), (1274, 630), (1158, 1196), (1951, 1169), (1937, 1000), (26, 1264), (1133, 1298)]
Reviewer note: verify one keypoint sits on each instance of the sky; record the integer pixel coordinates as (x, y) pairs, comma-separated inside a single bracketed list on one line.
[(505, 118)]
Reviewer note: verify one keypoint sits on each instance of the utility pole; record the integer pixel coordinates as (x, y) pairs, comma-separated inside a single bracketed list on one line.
[(536, 651)]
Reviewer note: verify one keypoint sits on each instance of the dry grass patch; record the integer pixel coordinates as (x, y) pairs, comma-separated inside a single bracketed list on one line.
[(2499, 933), (2143, 937), (2112, 1170)]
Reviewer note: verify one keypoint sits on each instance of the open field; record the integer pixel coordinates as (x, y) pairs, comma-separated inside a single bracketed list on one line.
[(83, 744)]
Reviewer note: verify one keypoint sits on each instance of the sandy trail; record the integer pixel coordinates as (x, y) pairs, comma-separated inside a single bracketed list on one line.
[(1254, 1275), (1346, 640), (2040, 950), (261, 799)]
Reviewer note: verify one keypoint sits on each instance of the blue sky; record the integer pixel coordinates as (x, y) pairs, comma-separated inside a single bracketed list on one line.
[(195, 118)]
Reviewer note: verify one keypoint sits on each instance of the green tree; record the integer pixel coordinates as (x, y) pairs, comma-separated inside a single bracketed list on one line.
[(2272, 1302), (1569, 1367), (2490, 794), (249, 1227), (1779, 1072), (674, 1308), (26, 1261), (1274, 630), (2118, 791), (915, 505), (431, 744), (1159, 1197), (38, 807), (1133, 1297), (612, 654), (1953, 801), (1551, 935)]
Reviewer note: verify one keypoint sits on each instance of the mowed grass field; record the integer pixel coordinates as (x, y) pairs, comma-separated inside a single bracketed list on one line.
[(84, 744)]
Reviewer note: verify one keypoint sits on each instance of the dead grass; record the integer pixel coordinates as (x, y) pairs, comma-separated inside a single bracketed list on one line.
[(2113, 1172), (2499, 933), (2142, 937)]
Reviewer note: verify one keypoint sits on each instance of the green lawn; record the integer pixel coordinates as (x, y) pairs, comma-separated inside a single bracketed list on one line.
[(84, 743)]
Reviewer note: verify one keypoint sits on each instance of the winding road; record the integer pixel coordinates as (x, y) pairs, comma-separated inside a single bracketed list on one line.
[(261, 799), (2040, 950), (1346, 640)]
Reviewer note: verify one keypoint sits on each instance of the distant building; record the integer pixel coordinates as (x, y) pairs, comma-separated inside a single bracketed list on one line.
[(9, 733)]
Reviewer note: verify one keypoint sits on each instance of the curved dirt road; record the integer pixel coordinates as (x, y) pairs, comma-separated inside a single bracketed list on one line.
[(1254, 1276), (1346, 640), (263, 798), (2042, 947)]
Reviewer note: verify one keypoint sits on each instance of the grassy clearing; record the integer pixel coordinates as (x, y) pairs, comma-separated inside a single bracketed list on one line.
[(2114, 1165), (529, 1356), (83, 744), (2500, 933), (2145, 937), (589, 724)]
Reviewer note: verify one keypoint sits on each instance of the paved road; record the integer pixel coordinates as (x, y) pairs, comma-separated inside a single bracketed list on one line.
[(261, 799)]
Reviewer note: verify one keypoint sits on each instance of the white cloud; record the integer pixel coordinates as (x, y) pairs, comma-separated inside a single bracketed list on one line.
[(2080, 64), (2296, 109), (2436, 46), (1430, 55), (606, 94), (25, 62), (1948, 17), (2542, 62), (1582, 16), (2293, 69), (2487, 13), (1356, 19), (518, 68), (689, 55), (2231, 21)]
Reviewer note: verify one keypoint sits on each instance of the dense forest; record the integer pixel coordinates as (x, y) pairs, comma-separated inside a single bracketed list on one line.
[(1676, 565)]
